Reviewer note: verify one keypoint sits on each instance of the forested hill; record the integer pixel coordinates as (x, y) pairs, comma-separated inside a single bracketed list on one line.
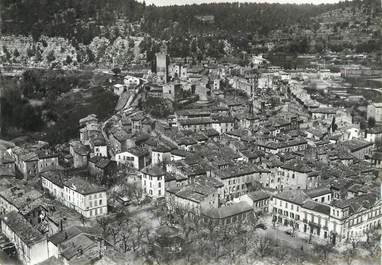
[(89, 27), (82, 20), (231, 17), (77, 20)]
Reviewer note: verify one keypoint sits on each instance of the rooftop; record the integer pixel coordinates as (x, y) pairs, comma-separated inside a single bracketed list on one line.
[(294, 196), (258, 195), (20, 196), (83, 186), (318, 207), (227, 211), (22, 228), (138, 151), (313, 193)]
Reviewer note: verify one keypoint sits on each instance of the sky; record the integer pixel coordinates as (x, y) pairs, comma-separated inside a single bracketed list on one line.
[(183, 2)]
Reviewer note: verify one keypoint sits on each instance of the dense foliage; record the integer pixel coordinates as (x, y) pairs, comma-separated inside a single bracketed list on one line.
[(42, 83), (83, 20), (77, 20), (158, 107), (18, 114), (52, 102), (67, 111)]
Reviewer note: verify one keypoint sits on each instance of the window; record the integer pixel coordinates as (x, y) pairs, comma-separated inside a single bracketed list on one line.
[(159, 192), (100, 202), (91, 204), (159, 184)]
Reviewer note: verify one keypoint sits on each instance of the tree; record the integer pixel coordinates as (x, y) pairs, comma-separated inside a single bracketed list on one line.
[(104, 224), (371, 122), (116, 71), (16, 53), (323, 251), (262, 246), (83, 219), (349, 255), (68, 60), (90, 55), (31, 52), (51, 57), (7, 53), (125, 238)]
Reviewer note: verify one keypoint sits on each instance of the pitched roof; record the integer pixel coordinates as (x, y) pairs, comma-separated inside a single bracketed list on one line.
[(318, 192), (83, 186), (22, 228), (70, 232), (258, 195), (318, 207), (55, 176), (294, 196), (227, 211), (154, 171), (297, 165), (138, 151)]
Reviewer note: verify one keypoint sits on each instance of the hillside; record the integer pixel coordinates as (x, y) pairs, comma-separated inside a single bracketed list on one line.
[(108, 33)]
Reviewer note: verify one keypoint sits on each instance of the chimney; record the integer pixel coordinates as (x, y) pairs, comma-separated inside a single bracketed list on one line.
[(66, 235)]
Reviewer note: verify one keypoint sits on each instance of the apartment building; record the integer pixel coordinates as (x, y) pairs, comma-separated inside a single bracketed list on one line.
[(87, 198)]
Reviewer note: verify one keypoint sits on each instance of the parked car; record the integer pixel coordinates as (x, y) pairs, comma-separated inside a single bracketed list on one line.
[(10, 250), (261, 226), (6, 246), (289, 233), (4, 243)]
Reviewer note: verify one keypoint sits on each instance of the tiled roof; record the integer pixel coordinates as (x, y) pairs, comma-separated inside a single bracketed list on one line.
[(71, 232), (258, 195), (318, 207), (294, 196), (318, 192), (297, 165), (83, 186), (154, 171), (138, 151), (22, 228), (227, 211)]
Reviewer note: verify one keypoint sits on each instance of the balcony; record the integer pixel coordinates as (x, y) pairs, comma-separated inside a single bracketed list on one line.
[(314, 224)]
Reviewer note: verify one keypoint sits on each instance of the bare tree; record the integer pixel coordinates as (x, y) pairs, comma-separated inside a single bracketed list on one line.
[(349, 255), (115, 232), (263, 246), (323, 251), (125, 238), (280, 255), (104, 223)]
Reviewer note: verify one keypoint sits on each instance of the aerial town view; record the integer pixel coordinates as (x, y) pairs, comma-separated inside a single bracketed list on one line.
[(190, 132)]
